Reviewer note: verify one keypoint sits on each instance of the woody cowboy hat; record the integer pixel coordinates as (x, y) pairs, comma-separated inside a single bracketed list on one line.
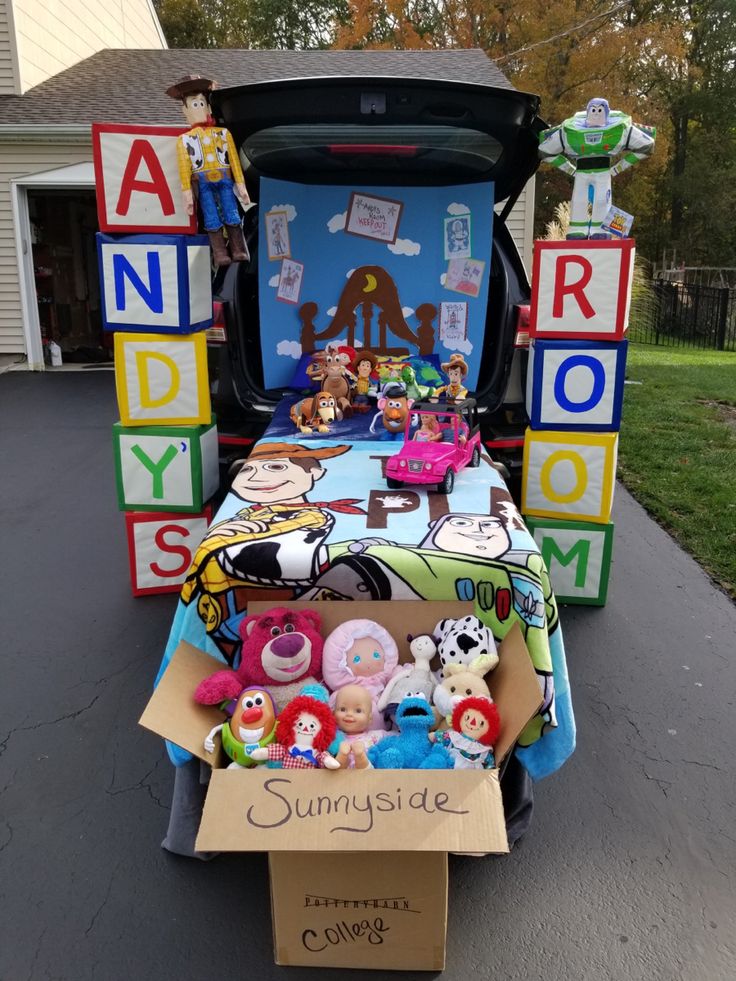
[(456, 361), (190, 84), (295, 451)]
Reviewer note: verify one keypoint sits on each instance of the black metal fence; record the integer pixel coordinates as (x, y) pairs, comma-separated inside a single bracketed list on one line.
[(686, 315)]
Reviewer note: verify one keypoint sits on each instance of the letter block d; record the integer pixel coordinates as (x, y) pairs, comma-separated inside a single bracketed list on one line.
[(581, 289), (155, 283), (578, 558), (169, 468), (162, 379), (576, 385), (137, 179), (569, 475), (161, 548)]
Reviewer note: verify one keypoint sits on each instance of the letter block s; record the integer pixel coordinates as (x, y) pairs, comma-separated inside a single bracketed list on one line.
[(577, 555), (576, 385), (165, 468), (581, 289), (161, 548), (162, 379), (137, 179), (569, 475), (158, 283)]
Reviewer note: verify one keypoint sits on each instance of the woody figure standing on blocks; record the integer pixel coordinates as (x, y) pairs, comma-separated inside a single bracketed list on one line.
[(208, 160)]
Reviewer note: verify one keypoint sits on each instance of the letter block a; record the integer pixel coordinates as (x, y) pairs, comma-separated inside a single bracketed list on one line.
[(169, 468), (137, 179), (569, 475), (155, 283), (581, 289), (162, 379), (161, 548), (577, 555), (576, 385)]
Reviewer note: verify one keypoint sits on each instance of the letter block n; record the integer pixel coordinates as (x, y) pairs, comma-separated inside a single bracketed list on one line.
[(162, 379), (577, 555), (165, 468), (581, 289)]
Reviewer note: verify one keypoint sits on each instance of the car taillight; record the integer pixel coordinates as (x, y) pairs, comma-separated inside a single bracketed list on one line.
[(373, 149), (521, 338), (216, 334)]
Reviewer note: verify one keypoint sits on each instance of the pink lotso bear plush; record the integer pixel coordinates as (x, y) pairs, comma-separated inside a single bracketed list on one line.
[(281, 649), (360, 652)]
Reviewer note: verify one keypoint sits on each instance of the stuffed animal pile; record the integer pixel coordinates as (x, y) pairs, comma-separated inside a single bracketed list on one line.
[(296, 701)]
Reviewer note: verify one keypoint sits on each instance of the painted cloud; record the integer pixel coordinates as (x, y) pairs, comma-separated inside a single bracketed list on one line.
[(465, 346), (457, 209), (274, 280), (289, 349), (405, 246), (288, 208), (337, 222)]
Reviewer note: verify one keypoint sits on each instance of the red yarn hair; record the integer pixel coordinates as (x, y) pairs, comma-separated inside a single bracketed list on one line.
[(286, 724), (489, 712)]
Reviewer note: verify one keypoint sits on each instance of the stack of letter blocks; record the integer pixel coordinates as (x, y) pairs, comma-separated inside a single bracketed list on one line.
[(157, 298), (580, 309)]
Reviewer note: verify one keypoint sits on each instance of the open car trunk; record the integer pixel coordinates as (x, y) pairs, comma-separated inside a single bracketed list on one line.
[(379, 132)]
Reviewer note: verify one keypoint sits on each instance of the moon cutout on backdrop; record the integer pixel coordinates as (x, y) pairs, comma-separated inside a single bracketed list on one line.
[(370, 283)]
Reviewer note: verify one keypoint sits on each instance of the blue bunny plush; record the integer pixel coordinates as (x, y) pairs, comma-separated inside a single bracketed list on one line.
[(412, 749)]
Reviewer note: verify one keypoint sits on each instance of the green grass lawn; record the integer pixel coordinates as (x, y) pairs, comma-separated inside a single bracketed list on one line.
[(677, 451)]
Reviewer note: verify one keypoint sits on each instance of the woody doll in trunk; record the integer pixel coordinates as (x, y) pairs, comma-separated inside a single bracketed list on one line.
[(209, 166)]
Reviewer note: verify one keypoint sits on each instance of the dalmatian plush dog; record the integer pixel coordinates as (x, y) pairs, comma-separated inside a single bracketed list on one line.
[(462, 641)]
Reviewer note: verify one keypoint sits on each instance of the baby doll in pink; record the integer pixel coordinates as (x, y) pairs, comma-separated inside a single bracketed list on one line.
[(353, 714), (360, 652)]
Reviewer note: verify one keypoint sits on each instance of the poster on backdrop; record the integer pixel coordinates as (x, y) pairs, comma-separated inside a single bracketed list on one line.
[(368, 266)]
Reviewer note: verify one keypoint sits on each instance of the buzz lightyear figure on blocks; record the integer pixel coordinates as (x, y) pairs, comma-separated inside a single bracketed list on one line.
[(208, 161), (585, 146)]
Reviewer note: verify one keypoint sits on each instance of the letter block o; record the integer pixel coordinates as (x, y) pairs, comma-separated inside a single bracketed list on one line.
[(155, 283), (165, 468), (161, 548), (582, 289), (137, 179), (162, 378), (577, 555), (569, 475), (576, 385)]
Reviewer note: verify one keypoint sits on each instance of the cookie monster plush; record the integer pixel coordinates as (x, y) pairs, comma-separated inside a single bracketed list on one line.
[(412, 749)]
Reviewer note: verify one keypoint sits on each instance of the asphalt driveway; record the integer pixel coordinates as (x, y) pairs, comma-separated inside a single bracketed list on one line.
[(627, 872)]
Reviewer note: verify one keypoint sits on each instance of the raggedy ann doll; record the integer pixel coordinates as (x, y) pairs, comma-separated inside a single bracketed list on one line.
[(305, 729), (472, 735), (360, 652)]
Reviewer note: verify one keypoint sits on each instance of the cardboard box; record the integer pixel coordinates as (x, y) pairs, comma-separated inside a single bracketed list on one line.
[(393, 828)]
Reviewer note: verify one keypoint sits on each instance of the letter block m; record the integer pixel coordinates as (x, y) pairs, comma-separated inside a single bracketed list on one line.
[(577, 555), (137, 179), (581, 290)]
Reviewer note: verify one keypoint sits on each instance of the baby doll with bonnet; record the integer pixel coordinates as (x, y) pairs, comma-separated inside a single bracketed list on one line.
[(360, 652)]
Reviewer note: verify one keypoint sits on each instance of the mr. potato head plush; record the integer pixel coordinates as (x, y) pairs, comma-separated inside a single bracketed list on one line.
[(282, 649)]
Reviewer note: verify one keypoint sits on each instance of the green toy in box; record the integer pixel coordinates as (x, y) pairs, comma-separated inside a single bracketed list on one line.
[(578, 558), (165, 468)]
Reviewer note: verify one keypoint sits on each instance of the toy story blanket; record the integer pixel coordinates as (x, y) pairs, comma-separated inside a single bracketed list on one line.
[(309, 518)]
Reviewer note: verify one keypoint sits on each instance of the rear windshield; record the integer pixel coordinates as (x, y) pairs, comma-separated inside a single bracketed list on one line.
[(349, 146)]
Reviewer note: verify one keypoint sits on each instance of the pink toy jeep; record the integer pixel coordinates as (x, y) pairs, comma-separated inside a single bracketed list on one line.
[(448, 439)]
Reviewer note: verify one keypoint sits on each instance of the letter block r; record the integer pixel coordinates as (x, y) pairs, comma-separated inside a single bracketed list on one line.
[(574, 288)]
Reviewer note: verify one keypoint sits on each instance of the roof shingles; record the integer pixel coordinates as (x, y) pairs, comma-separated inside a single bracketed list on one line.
[(128, 86)]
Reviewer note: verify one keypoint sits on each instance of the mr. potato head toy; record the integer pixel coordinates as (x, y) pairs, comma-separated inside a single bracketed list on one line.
[(394, 406), (251, 726)]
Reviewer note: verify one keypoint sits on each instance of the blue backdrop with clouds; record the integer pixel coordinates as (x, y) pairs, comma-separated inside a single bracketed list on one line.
[(416, 262)]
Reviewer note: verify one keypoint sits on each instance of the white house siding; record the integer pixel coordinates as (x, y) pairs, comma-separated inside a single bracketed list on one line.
[(80, 29), (9, 84), (18, 160), (520, 223)]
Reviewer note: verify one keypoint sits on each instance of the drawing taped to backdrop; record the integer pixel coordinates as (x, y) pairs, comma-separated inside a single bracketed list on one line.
[(373, 217), (453, 322), (290, 281), (464, 276)]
